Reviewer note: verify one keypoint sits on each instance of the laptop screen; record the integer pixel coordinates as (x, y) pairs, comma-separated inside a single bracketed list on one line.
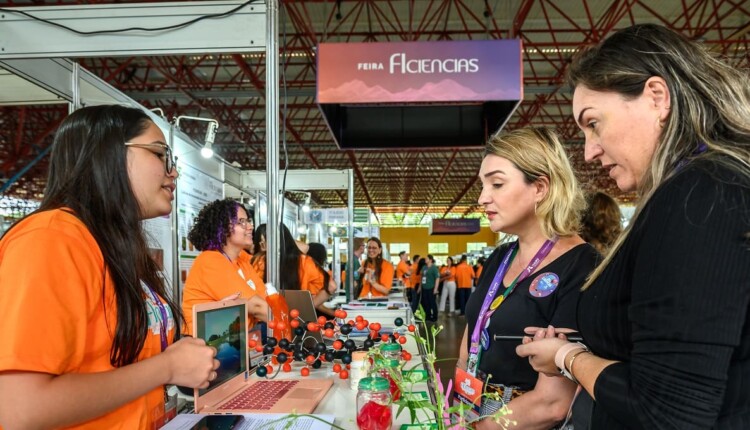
[(226, 330)]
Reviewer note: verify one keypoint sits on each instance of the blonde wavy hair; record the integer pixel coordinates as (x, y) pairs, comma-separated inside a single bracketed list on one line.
[(709, 102), (538, 152)]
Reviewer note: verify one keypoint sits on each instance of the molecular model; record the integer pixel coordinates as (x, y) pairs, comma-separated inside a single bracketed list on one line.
[(306, 349)]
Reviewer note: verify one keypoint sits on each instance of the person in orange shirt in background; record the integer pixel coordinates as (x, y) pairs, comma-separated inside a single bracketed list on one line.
[(308, 276), (464, 282), (403, 272), (377, 273), (221, 232), (89, 341), (414, 280), (478, 272), (448, 289), (318, 253)]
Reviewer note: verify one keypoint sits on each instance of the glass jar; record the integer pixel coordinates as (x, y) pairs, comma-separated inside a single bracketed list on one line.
[(359, 368), (374, 404), (391, 371), (390, 351)]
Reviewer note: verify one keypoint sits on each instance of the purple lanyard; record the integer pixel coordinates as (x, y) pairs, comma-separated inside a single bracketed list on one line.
[(495, 286), (164, 318)]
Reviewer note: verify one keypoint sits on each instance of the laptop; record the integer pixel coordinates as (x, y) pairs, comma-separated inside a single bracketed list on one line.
[(302, 301), (223, 325)]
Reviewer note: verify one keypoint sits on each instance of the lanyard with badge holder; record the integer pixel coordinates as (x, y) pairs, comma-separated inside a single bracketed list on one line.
[(480, 335), (249, 282), (468, 389), (163, 416)]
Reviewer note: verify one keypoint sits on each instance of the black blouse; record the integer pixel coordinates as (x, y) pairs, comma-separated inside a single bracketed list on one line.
[(672, 307), (525, 307)]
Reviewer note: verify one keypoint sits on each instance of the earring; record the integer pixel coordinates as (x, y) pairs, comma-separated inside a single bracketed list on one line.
[(535, 205)]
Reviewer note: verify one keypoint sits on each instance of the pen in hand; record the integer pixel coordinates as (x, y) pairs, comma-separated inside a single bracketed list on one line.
[(515, 337)]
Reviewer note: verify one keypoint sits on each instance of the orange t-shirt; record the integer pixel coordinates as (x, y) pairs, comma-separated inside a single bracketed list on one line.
[(451, 277), (401, 270), (464, 275), (214, 277), (259, 264), (61, 305), (415, 278), (479, 273), (310, 275), (386, 278)]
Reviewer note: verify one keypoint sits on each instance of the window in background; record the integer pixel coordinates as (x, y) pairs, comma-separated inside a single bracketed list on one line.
[(437, 248), (395, 249), (475, 246)]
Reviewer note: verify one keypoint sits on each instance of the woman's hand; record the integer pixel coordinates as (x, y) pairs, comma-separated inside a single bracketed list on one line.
[(541, 349), (191, 363)]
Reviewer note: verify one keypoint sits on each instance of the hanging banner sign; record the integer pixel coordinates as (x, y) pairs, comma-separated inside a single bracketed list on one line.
[(454, 226), (414, 72)]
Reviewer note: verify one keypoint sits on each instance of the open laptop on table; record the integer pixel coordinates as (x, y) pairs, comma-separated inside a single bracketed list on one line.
[(302, 301), (223, 325)]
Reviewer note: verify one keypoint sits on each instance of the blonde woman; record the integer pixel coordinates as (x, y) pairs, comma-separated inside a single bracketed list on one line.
[(528, 190)]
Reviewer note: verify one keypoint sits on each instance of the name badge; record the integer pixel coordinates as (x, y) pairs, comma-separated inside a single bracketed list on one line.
[(467, 397)]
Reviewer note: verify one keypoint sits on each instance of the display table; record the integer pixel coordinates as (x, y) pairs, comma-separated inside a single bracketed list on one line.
[(340, 401)]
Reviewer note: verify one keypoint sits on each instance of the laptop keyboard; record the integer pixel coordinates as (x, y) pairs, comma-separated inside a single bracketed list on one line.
[(262, 395)]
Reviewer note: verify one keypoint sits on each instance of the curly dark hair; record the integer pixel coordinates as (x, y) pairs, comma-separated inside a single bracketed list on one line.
[(601, 223), (214, 224)]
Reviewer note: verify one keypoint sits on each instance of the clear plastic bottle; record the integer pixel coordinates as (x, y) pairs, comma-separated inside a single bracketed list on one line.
[(279, 312), (374, 404)]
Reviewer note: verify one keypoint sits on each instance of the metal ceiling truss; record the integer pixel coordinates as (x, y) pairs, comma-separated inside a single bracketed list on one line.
[(426, 183)]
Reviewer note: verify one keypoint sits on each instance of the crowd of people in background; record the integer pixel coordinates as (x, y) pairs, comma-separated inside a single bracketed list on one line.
[(662, 305)]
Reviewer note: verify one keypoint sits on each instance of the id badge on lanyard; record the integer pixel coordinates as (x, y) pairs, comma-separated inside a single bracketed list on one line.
[(480, 337)]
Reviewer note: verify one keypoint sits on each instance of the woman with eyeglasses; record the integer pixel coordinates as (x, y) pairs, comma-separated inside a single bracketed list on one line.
[(221, 232), (89, 340), (376, 273)]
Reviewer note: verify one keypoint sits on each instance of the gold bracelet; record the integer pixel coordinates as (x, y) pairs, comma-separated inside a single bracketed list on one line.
[(570, 364)]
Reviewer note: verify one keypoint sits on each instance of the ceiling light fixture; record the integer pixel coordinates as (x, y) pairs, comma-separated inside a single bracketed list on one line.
[(207, 151)]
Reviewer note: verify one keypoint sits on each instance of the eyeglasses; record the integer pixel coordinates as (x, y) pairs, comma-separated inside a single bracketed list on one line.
[(169, 160), (373, 247), (244, 222)]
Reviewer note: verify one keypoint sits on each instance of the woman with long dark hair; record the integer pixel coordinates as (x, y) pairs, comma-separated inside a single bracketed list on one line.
[(308, 276), (88, 325), (317, 252), (377, 273)]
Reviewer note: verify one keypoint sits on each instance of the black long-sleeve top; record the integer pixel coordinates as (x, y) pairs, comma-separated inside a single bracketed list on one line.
[(672, 308)]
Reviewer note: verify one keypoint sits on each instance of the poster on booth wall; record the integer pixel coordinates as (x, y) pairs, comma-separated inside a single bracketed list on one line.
[(194, 190), (159, 240)]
